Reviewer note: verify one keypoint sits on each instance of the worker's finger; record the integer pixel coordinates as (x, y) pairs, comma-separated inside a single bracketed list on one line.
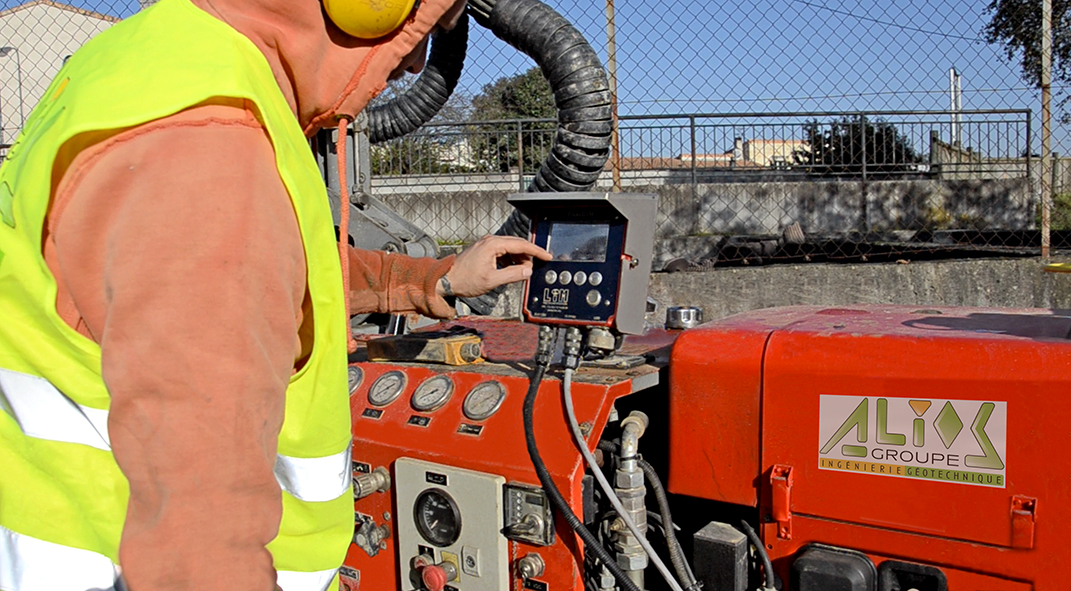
[(513, 245), (511, 274)]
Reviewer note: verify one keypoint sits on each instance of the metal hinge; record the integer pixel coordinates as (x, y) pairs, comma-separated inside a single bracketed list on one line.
[(1023, 517), (781, 497)]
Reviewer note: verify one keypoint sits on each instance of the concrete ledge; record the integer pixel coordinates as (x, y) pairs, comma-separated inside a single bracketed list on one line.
[(1019, 283)]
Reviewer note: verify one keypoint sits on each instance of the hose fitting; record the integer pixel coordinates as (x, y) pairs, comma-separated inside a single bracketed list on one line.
[(545, 346), (571, 352)]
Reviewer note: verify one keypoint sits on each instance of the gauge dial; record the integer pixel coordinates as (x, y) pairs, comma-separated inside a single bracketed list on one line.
[(437, 517), (484, 400), (356, 376), (432, 394), (386, 388)]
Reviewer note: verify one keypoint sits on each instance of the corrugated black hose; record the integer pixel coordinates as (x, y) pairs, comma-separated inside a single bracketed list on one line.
[(676, 554), (427, 95), (581, 93)]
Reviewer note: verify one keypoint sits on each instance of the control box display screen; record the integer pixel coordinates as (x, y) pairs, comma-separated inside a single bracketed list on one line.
[(578, 242)]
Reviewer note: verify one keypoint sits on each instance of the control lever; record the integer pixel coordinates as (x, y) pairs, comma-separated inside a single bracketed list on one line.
[(530, 524)]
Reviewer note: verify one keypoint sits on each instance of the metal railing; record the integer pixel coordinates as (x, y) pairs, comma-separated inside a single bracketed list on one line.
[(734, 175), (708, 147)]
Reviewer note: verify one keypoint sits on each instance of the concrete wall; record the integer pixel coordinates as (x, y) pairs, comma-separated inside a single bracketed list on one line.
[(1019, 283), (464, 212)]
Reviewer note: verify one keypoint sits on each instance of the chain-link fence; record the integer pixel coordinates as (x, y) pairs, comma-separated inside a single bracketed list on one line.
[(785, 130)]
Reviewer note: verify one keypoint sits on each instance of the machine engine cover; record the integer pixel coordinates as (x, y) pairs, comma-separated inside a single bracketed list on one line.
[(930, 435)]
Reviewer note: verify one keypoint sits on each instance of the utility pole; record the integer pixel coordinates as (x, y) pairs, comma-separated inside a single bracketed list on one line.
[(1046, 130), (611, 69)]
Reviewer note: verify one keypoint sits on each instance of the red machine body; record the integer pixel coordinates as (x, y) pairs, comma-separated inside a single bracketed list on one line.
[(928, 436)]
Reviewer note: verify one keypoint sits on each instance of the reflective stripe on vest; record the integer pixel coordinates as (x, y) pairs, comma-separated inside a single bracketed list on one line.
[(315, 480), (289, 580), (42, 411), (30, 564)]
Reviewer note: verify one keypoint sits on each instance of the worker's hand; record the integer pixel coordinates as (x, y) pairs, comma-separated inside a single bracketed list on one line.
[(475, 271)]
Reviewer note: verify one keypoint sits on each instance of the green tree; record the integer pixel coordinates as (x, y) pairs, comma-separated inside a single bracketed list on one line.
[(1015, 25), (523, 96), (842, 147)]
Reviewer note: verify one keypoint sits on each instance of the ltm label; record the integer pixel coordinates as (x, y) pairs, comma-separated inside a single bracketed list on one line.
[(962, 441)]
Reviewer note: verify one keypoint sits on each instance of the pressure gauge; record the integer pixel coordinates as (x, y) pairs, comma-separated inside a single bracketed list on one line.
[(386, 388), (432, 394), (356, 376), (437, 517), (484, 400)]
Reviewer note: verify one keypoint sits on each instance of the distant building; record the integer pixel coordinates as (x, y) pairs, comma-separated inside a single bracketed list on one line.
[(35, 39), (772, 153)]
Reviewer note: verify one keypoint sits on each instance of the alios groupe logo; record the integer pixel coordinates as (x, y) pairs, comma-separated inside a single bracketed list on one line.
[(961, 441)]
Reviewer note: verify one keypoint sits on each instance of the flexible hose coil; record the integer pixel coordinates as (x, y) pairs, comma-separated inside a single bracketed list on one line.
[(427, 95)]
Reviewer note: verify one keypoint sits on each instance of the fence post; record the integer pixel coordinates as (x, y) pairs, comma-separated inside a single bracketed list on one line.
[(1046, 146), (520, 158), (1054, 188), (695, 183), (863, 205)]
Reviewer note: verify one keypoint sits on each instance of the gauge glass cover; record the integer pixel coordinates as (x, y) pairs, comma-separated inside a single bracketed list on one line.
[(386, 388), (484, 400), (437, 517), (356, 376), (433, 393)]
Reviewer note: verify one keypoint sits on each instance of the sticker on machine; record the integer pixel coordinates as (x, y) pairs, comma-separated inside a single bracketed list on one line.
[(958, 441)]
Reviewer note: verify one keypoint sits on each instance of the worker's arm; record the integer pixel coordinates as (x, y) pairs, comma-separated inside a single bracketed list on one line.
[(177, 246), (381, 282)]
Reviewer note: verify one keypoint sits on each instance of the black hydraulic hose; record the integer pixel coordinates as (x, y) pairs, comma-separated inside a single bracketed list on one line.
[(590, 542), (427, 95), (676, 554), (767, 566), (581, 144)]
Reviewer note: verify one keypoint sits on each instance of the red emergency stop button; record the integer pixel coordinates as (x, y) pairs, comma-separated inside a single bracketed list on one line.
[(434, 577)]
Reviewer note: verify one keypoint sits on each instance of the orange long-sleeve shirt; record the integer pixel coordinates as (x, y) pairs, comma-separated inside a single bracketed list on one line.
[(175, 247)]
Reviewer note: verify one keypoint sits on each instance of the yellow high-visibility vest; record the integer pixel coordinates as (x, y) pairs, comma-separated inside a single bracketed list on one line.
[(63, 499)]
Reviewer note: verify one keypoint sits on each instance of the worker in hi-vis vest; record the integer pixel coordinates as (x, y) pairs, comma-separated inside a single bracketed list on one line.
[(173, 336)]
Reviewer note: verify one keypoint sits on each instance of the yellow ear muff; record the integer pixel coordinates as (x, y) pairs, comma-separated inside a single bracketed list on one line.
[(368, 19)]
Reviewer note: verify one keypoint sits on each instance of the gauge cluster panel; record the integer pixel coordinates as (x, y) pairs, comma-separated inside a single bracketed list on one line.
[(450, 519)]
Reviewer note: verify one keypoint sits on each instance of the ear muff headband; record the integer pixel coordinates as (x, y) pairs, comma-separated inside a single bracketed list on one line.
[(368, 19)]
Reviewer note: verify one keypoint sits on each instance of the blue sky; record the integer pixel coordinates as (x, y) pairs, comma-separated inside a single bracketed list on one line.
[(680, 56)]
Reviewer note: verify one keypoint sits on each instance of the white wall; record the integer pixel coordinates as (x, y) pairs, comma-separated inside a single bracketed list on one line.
[(43, 33)]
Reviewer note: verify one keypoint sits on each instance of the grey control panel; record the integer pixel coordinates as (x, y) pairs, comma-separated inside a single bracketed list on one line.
[(451, 518)]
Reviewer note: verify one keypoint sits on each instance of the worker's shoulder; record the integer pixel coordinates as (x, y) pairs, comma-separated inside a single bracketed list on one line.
[(223, 111)]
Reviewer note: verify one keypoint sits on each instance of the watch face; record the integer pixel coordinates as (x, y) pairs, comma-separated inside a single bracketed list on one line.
[(386, 388), (437, 517)]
